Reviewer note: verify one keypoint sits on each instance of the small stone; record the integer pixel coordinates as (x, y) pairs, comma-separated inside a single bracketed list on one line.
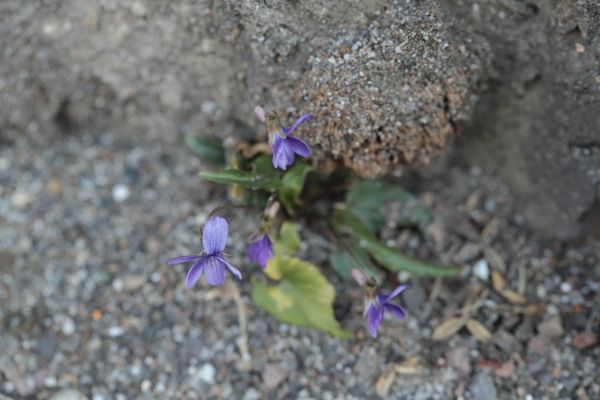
[(481, 270), (483, 386), (120, 193), (146, 385), (133, 282), (68, 394), (68, 326), (459, 359), (579, 48), (584, 340), (565, 287), (537, 345), (50, 381), (47, 345), (207, 373), (551, 328), (115, 331), (273, 375), (138, 9), (21, 199)]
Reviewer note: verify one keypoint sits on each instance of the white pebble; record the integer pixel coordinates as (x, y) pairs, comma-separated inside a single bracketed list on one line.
[(120, 193), (565, 287), (115, 331), (146, 385), (207, 373), (68, 326), (481, 270)]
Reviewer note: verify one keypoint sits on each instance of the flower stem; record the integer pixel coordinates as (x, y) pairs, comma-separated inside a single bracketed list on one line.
[(246, 360)]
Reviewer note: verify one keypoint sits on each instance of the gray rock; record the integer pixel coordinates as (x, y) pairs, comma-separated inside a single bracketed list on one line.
[(483, 387), (68, 394), (538, 122)]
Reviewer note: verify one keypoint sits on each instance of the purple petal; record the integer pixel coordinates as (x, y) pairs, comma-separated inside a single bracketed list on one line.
[(283, 153), (260, 251), (374, 317), (214, 271), (260, 113), (182, 259), (299, 146), (214, 235), (195, 272), (395, 310), (396, 292), (236, 272), (304, 118)]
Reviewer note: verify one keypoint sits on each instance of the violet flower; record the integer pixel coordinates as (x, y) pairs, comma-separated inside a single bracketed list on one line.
[(210, 261), (261, 250), (378, 304), (285, 146)]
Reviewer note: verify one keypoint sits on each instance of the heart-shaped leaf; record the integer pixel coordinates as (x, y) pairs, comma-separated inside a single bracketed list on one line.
[(302, 296)]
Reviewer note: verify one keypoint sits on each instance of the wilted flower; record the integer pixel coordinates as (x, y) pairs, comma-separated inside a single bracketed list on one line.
[(261, 250), (210, 261), (377, 304), (285, 146)]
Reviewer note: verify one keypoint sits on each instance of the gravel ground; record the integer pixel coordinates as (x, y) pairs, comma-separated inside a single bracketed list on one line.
[(91, 310)]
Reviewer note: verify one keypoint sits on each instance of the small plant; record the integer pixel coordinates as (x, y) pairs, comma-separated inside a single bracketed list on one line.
[(276, 179)]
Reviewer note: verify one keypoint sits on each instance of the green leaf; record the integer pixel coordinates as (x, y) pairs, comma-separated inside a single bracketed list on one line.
[(288, 240), (366, 198), (387, 256), (349, 256), (292, 184), (264, 176), (208, 149), (303, 296)]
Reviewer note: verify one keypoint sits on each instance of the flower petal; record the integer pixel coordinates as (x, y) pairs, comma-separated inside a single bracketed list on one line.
[(214, 271), (214, 235), (299, 146), (395, 310), (374, 317), (236, 272), (396, 292), (195, 272), (304, 118), (283, 153), (260, 251), (260, 113), (182, 259)]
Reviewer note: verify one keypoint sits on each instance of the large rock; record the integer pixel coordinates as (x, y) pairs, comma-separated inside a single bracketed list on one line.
[(539, 122), (389, 81), (159, 67)]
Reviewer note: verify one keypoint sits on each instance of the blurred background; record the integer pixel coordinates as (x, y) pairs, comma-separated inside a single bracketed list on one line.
[(486, 110)]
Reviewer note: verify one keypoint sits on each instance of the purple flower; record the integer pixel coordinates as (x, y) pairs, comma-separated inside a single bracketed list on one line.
[(261, 250), (375, 307), (210, 261), (285, 146)]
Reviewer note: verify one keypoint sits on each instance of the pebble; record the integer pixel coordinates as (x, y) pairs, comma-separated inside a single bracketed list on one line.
[(481, 270), (483, 386), (566, 287), (68, 394), (207, 373), (115, 331), (68, 326), (146, 385), (551, 328), (120, 193)]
